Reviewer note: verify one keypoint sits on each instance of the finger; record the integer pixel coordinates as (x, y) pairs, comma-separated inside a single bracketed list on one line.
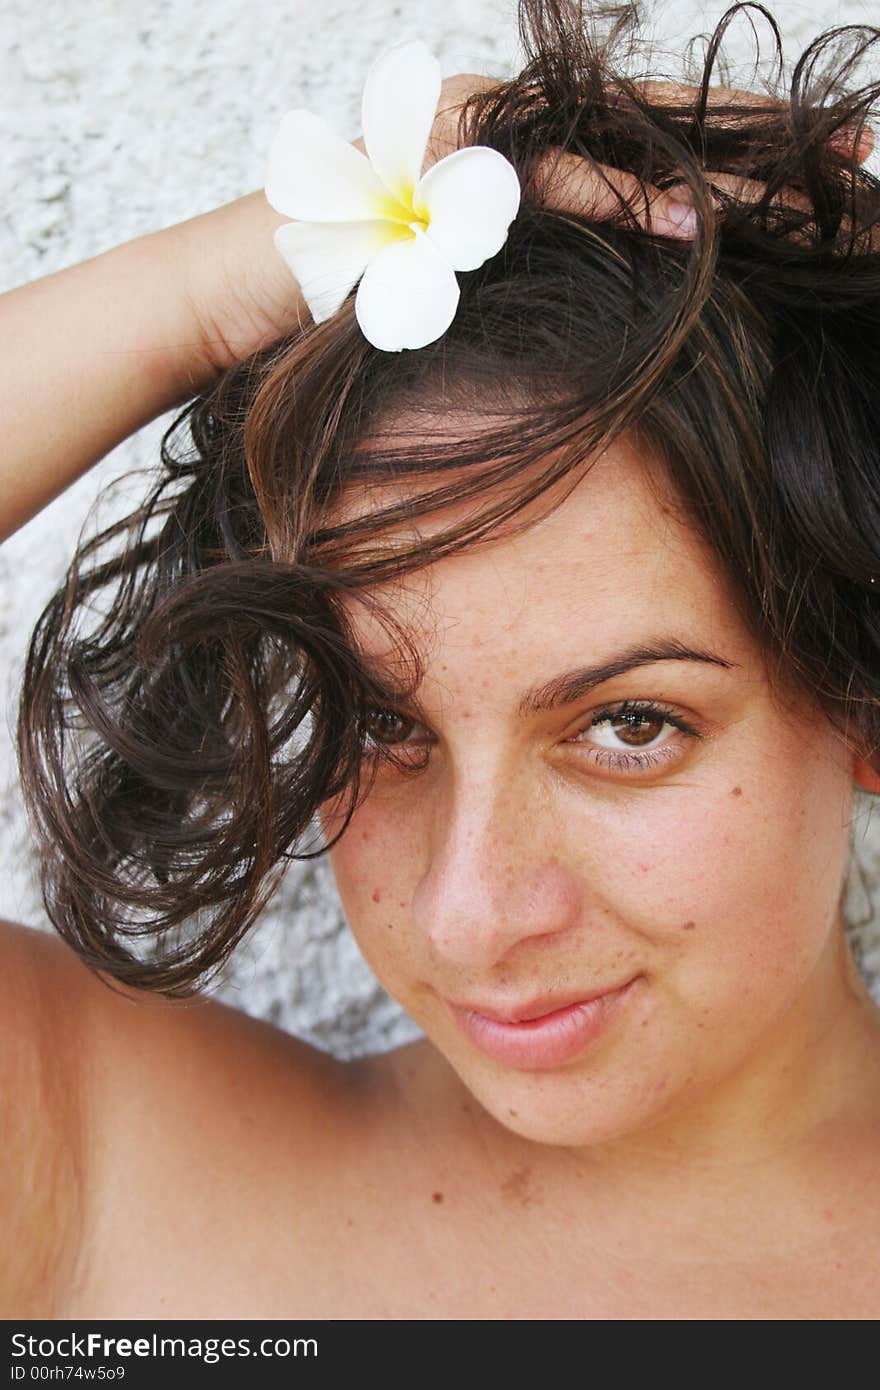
[(850, 139), (853, 140), (572, 184), (751, 191), (682, 94), (454, 92)]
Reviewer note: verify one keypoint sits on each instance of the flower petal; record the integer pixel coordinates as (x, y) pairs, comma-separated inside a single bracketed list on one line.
[(316, 176), (328, 258), (398, 109), (469, 200), (408, 296)]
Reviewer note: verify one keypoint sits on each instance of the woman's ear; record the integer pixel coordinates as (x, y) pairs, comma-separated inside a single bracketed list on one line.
[(865, 775)]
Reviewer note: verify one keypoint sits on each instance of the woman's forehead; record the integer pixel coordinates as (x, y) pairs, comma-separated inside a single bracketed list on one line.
[(613, 564)]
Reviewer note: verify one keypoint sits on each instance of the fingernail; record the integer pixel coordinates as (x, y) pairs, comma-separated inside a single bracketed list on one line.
[(682, 217)]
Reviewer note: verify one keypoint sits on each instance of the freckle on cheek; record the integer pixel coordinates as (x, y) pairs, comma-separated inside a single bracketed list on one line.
[(736, 791), (688, 926), (377, 896)]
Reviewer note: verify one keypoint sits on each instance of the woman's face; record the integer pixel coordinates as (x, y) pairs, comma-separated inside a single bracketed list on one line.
[(613, 888)]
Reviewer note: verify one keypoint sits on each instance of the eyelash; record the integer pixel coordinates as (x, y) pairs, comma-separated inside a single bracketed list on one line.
[(636, 711)]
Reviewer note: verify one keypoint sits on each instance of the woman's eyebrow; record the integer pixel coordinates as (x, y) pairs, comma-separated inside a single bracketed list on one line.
[(570, 686)]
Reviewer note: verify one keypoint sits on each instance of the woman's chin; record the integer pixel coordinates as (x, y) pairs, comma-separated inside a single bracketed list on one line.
[(573, 1107), (539, 1110)]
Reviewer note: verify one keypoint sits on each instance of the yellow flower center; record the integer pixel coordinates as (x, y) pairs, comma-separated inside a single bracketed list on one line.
[(403, 209)]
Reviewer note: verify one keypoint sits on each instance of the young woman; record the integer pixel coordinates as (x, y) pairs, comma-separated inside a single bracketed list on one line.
[(560, 634)]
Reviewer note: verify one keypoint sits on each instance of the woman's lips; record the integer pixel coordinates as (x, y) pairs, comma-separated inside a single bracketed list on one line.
[(549, 1040)]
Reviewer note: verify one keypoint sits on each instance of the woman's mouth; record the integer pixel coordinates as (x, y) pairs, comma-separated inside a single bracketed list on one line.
[(536, 1041)]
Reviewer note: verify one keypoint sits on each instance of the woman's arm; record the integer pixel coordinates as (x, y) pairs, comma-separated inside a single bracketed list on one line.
[(90, 354)]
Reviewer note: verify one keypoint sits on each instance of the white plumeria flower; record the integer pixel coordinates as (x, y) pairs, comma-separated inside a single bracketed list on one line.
[(376, 218)]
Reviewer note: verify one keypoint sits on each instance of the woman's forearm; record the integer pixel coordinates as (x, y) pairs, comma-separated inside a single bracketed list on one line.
[(90, 354), (87, 356)]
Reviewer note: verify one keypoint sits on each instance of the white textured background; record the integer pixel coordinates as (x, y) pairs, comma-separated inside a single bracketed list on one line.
[(122, 116)]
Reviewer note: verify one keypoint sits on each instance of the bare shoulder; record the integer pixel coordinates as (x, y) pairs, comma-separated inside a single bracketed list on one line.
[(40, 1112), (138, 1129)]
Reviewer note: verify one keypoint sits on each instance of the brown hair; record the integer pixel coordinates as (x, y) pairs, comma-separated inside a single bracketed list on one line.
[(192, 693)]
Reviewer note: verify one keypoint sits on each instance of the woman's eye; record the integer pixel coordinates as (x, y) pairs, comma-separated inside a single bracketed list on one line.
[(635, 736), (388, 728)]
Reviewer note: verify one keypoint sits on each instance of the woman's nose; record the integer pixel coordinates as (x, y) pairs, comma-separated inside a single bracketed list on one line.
[(494, 877)]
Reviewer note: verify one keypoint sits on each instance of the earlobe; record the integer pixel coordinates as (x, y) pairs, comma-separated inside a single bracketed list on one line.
[(865, 775)]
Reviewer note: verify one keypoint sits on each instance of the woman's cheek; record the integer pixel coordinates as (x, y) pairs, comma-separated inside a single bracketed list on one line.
[(374, 865), (735, 893)]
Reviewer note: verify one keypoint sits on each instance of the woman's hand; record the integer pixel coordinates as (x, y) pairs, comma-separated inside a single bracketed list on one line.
[(569, 183), (243, 297), (240, 292)]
